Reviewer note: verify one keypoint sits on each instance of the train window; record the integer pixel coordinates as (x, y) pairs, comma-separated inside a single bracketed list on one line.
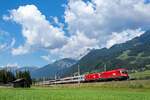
[(124, 72), (83, 77), (67, 79), (75, 78), (58, 79), (100, 74)]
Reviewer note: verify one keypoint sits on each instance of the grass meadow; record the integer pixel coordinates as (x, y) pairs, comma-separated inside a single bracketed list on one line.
[(141, 75), (123, 90)]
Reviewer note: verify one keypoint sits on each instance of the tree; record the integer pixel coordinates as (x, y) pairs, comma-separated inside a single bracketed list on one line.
[(25, 75), (6, 76)]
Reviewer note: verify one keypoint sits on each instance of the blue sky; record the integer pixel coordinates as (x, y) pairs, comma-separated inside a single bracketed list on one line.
[(38, 32), (48, 8)]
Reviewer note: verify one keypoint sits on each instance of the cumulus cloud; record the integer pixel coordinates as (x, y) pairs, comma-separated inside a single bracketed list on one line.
[(77, 46), (37, 31), (5, 17), (21, 50), (13, 42), (61, 25), (90, 24), (117, 38), (99, 18), (2, 47), (5, 40), (102, 23), (47, 58), (10, 65)]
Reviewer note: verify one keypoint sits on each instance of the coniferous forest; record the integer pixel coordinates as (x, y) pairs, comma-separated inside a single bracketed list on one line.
[(8, 76)]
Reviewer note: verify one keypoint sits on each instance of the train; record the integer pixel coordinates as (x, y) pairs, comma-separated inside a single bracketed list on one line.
[(119, 74)]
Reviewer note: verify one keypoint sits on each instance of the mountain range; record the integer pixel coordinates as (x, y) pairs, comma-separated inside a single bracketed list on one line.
[(56, 68), (48, 71), (133, 55), (16, 68)]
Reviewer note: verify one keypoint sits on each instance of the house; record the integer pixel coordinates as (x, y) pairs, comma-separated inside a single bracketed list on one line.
[(21, 83)]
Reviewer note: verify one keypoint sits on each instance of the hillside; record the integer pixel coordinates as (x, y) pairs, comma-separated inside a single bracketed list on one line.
[(47, 71), (27, 68), (140, 75), (50, 70), (133, 55)]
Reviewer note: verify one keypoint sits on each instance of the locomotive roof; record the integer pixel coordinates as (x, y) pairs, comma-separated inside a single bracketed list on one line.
[(107, 71), (115, 70)]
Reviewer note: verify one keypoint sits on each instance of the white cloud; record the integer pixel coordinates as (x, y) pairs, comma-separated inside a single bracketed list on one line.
[(37, 31), (57, 22), (77, 46), (13, 42), (99, 18), (5, 40), (102, 23), (117, 38), (47, 58), (21, 50), (90, 24), (12, 65), (2, 47), (1, 66), (3, 33), (5, 17)]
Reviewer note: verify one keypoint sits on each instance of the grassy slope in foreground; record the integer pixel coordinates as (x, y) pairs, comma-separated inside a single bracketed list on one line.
[(125, 90)]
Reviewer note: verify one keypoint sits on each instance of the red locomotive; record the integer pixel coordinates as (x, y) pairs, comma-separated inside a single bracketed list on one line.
[(119, 74)]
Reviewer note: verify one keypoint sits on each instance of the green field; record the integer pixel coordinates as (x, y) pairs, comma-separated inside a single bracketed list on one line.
[(124, 90), (140, 75), (116, 90)]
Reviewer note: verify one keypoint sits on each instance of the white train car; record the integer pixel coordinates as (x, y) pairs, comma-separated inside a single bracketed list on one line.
[(65, 80)]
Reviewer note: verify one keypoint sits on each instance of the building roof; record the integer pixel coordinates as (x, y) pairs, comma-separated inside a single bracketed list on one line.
[(19, 80)]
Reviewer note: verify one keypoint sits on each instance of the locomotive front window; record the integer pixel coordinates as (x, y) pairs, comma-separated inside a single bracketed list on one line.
[(100, 74), (83, 77), (124, 72)]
